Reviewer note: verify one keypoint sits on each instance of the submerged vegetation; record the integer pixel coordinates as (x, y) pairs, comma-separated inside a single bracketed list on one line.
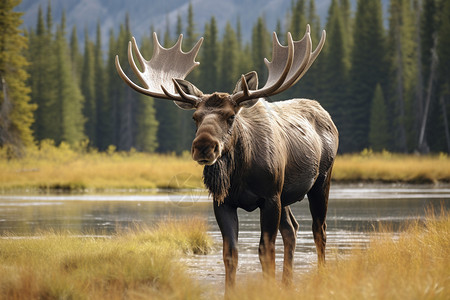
[(140, 263), (76, 168)]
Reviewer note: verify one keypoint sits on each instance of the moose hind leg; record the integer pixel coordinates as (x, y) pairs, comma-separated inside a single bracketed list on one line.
[(318, 202), (270, 221), (288, 229)]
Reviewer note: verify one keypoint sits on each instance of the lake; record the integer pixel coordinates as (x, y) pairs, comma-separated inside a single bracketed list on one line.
[(353, 212)]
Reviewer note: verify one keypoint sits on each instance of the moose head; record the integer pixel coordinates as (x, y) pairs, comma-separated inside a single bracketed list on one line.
[(163, 77)]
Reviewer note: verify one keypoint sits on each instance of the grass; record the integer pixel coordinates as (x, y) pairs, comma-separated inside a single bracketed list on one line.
[(63, 168), (137, 264), (142, 263), (388, 167), (413, 266)]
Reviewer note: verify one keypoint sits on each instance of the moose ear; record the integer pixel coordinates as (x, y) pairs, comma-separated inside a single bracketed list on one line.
[(252, 82), (189, 89)]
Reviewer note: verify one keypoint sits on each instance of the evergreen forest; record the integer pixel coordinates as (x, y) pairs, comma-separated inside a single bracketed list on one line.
[(385, 80)]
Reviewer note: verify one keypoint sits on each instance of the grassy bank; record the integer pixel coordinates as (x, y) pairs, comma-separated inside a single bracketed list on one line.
[(137, 264), (388, 167), (414, 266), (143, 264), (64, 168)]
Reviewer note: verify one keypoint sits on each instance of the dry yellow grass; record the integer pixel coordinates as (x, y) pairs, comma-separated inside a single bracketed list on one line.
[(389, 167), (60, 167), (414, 265), (52, 167), (137, 264)]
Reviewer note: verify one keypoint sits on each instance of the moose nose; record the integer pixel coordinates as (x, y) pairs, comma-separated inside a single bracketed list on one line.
[(205, 150)]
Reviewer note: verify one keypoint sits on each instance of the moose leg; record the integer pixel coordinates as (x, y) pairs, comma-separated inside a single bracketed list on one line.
[(318, 202), (227, 220), (270, 221), (288, 229)]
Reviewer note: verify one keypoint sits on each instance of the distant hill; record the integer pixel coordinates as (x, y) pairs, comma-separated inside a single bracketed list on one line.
[(143, 13)]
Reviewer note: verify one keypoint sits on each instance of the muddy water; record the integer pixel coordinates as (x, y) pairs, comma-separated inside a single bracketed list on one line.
[(353, 213)]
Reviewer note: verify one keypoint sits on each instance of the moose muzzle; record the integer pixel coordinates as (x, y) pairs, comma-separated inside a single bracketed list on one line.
[(205, 149)]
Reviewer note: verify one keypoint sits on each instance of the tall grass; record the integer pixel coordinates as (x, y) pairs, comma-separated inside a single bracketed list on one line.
[(415, 265), (390, 167), (62, 167), (51, 167), (137, 264), (143, 263)]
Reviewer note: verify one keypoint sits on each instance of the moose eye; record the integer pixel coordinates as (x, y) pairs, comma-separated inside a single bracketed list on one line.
[(230, 119)]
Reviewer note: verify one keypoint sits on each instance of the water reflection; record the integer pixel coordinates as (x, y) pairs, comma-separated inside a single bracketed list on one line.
[(353, 212)]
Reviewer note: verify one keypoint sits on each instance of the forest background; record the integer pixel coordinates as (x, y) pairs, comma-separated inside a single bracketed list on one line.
[(385, 84)]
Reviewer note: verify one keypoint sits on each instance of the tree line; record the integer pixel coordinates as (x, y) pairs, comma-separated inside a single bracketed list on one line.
[(385, 88)]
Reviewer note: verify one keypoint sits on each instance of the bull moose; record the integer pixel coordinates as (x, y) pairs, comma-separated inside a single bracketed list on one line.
[(255, 154)]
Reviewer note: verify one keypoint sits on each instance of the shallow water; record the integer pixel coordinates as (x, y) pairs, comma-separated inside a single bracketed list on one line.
[(353, 212)]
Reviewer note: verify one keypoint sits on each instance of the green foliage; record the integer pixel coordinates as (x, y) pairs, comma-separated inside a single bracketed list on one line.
[(16, 111), (379, 130), (334, 97), (368, 69), (210, 58), (229, 60), (260, 48), (403, 62), (357, 56)]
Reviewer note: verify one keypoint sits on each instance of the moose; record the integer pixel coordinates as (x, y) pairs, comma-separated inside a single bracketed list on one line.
[(256, 154)]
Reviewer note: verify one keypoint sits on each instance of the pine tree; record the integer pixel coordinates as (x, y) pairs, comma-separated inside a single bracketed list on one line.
[(70, 119), (115, 86), (16, 111), (41, 81), (127, 102), (334, 94), (403, 51), (209, 58), (310, 86), (88, 90), (298, 20), (368, 69), (443, 53), (103, 130), (260, 48), (76, 58), (228, 61), (146, 135), (379, 129)]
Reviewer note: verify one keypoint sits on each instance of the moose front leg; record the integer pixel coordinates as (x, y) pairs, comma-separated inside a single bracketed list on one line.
[(270, 221), (227, 220)]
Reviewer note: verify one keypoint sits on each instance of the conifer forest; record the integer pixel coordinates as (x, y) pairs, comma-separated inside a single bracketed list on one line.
[(384, 79)]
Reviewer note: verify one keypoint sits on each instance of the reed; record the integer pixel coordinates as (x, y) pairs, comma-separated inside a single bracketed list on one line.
[(64, 168), (140, 263)]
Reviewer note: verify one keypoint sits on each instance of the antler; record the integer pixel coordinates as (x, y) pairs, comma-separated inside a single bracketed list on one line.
[(160, 73), (288, 65)]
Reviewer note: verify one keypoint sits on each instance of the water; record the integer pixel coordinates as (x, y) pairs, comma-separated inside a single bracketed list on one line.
[(353, 212)]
